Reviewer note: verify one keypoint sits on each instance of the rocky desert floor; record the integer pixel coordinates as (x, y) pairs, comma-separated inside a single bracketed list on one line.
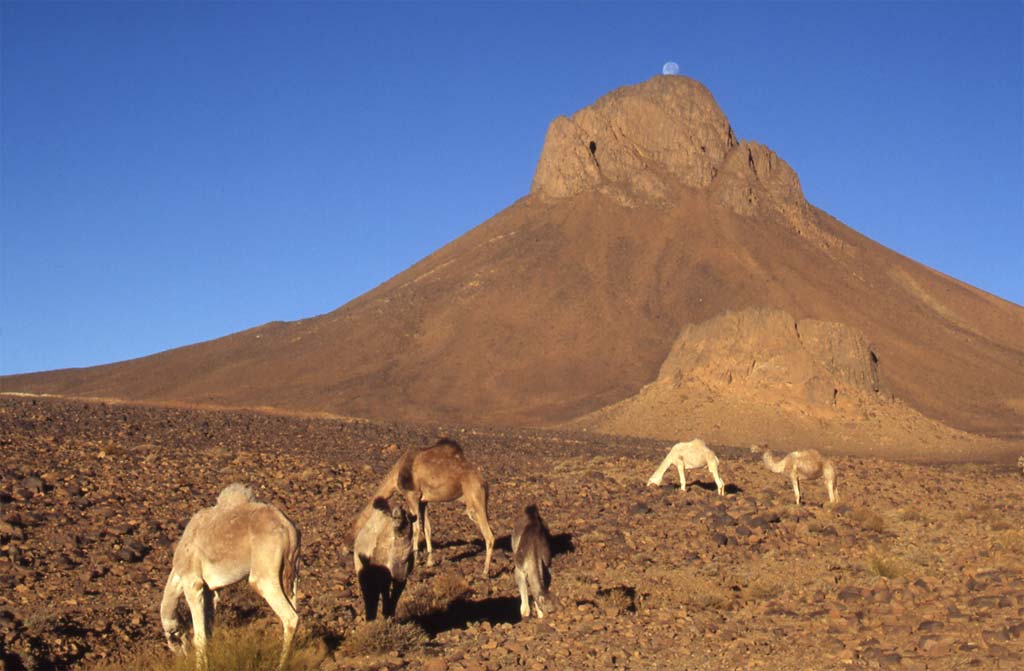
[(921, 566)]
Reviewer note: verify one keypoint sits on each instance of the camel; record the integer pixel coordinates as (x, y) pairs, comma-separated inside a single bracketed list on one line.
[(694, 454), (806, 464), (531, 550), (432, 474), (383, 557), (1020, 464), (237, 538)]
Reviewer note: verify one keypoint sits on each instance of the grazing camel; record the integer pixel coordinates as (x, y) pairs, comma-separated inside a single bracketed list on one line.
[(806, 464), (531, 550), (383, 557), (236, 539), (694, 454), (431, 474)]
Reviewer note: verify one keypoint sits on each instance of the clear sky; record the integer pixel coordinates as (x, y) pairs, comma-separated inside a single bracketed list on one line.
[(175, 172)]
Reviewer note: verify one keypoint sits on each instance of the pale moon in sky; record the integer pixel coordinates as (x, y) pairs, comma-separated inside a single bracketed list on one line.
[(670, 68)]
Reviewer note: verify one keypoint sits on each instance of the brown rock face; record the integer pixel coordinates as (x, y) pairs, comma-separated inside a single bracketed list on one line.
[(643, 138), (768, 351)]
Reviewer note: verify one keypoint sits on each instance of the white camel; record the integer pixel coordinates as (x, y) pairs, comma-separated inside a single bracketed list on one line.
[(236, 539), (802, 464), (694, 454)]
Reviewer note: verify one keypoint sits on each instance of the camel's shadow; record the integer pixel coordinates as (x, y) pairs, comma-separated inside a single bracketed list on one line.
[(560, 544), (710, 487), (458, 615)]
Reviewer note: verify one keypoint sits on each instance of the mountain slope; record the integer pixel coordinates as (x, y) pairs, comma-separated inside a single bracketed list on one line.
[(646, 215)]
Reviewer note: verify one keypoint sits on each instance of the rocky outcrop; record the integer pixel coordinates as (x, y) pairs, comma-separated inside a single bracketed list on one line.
[(639, 138), (768, 350)]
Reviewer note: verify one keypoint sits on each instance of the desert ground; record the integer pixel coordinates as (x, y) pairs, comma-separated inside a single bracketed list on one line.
[(920, 565)]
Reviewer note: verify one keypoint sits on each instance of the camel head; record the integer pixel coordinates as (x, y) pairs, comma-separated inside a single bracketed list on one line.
[(547, 602), (756, 449), (401, 519), (174, 634)]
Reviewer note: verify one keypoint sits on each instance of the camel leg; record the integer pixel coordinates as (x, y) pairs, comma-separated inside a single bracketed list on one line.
[(655, 480), (269, 588), (524, 594), (413, 503), (830, 483), (682, 474), (369, 585), (719, 483), (476, 509), (796, 487), (426, 535), (391, 596), (196, 599)]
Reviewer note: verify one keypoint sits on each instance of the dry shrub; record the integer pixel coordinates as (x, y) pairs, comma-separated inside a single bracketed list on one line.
[(885, 567), (619, 599), (434, 596), (1010, 541), (915, 515), (868, 520), (764, 588), (703, 592), (230, 649), (383, 636)]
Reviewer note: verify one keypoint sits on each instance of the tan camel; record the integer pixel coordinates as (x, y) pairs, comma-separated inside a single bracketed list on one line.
[(1020, 464), (531, 553), (694, 454), (431, 474), (805, 464), (236, 539), (383, 557)]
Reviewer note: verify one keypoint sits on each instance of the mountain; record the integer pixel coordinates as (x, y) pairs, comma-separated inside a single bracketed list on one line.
[(647, 218)]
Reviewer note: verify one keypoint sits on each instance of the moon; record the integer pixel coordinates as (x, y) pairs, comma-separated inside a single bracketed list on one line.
[(670, 68)]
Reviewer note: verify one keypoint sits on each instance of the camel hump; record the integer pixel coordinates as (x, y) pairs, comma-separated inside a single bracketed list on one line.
[(448, 443), (234, 494)]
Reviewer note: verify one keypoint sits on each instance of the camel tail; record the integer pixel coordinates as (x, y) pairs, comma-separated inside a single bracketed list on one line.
[(290, 569)]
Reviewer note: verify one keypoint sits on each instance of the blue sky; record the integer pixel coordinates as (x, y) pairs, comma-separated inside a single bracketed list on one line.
[(175, 172)]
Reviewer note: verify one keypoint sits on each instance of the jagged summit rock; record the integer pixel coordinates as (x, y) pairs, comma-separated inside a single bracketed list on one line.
[(642, 142), (642, 138)]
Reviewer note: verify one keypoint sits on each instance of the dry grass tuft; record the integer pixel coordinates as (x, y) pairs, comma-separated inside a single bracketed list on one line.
[(231, 649), (869, 520), (619, 599), (382, 636), (885, 567), (434, 596), (915, 515), (767, 587)]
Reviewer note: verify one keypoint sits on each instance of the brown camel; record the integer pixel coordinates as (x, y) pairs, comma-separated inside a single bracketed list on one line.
[(431, 474), (236, 539)]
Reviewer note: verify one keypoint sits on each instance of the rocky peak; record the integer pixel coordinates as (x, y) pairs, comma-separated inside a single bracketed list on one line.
[(642, 137), (639, 141)]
